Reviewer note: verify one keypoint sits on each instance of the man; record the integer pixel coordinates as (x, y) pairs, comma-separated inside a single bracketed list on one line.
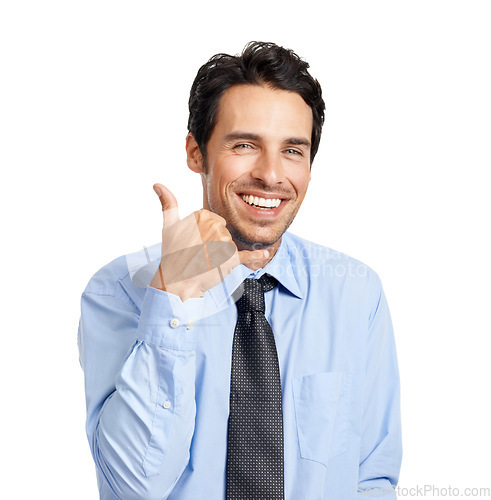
[(195, 392)]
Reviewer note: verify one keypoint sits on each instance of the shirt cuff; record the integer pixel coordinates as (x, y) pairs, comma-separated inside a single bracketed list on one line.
[(168, 322)]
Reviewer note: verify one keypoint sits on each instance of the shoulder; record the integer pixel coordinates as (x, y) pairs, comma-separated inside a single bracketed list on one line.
[(312, 254), (324, 266), (126, 277), (106, 279)]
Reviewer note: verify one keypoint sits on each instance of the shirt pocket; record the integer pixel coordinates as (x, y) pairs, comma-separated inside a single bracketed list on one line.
[(321, 404)]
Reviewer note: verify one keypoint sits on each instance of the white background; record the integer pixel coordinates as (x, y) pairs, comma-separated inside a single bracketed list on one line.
[(93, 110)]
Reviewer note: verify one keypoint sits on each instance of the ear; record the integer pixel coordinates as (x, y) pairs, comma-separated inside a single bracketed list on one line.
[(194, 156)]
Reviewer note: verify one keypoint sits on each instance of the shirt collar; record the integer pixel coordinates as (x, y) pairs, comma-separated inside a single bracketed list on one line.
[(281, 268)]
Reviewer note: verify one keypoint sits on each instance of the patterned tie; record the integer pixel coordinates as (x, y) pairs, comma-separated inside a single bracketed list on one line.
[(255, 426)]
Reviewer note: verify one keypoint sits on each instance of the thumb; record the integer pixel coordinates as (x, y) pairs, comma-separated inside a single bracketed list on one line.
[(169, 204), (257, 257)]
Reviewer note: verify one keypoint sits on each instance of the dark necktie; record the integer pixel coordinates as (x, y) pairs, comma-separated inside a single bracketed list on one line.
[(255, 426)]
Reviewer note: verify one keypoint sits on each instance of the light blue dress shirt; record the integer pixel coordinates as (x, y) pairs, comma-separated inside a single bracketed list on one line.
[(157, 378)]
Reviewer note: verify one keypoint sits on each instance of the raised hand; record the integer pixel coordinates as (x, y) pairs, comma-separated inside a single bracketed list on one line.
[(197, 251)]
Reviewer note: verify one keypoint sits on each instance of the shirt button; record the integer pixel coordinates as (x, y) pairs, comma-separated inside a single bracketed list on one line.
[(190, 325), (166, 405), (174, 323)]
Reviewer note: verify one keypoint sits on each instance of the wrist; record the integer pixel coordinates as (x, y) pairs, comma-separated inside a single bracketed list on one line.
[(158, 280)]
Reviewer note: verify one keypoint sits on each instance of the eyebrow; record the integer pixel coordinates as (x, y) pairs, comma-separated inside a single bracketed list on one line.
[(234, 136), (294, 141), (298, 141)]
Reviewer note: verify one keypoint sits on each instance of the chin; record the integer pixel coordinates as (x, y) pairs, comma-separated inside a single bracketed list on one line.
[(253, 242)]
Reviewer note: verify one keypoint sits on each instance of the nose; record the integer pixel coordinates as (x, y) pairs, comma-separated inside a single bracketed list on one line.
[(268, 168)]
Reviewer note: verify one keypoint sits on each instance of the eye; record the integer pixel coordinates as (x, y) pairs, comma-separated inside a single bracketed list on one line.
[(293, 151), (243, 148)]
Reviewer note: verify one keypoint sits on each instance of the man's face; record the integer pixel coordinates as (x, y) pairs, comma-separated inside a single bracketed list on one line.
[(258, 156)]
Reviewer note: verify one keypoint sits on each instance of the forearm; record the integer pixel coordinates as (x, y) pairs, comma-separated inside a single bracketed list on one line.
[(381, 449), (141, 443), (140, 434)]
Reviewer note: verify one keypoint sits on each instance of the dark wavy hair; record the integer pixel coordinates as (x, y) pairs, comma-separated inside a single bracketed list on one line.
[(260, 63)]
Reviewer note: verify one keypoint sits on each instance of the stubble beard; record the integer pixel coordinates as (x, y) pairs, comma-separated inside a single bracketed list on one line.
[(247, 240), (242, 240)]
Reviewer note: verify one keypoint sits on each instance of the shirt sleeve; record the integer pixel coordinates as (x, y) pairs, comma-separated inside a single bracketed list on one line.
[(381, 448), (139, 369)]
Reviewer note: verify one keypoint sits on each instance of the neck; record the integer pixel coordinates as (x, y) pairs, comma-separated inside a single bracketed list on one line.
[(272, 249)]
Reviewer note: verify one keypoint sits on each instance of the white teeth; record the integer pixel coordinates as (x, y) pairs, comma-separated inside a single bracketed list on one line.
[(261, 202)]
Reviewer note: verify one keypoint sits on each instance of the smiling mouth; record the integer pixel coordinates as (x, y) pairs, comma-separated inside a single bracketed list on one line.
[(262, 203)]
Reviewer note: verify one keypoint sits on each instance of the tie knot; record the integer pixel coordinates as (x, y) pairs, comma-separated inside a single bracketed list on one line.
[(252, 299)]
